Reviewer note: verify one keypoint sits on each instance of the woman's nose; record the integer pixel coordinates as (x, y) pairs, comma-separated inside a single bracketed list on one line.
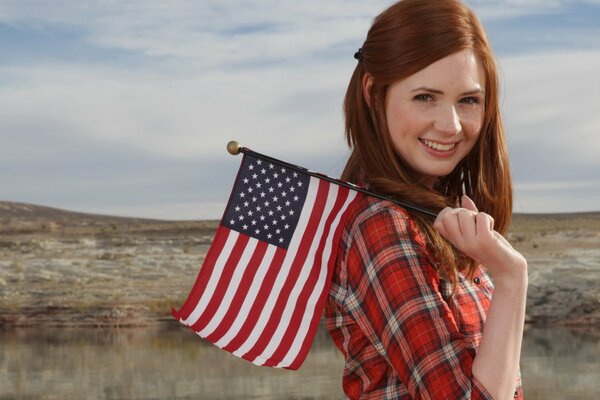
[(447, 121)]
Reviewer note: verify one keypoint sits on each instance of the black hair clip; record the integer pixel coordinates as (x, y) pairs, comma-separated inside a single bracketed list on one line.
[(359, 55)]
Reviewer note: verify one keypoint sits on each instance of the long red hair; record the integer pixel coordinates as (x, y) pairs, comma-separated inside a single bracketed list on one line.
[(405, 38)]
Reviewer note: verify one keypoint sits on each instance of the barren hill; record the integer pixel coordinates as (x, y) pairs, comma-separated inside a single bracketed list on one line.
[(23, 218)]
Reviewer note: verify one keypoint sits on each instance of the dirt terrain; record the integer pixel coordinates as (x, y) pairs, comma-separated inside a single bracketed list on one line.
[(59, 268)]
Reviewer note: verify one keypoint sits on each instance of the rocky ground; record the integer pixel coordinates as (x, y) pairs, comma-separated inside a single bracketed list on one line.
[(59, 268)]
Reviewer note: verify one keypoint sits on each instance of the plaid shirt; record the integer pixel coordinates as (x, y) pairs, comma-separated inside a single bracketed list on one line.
[(402, 333)]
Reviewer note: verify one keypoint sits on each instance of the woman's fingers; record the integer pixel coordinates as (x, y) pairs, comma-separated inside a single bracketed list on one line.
[(467, 203)]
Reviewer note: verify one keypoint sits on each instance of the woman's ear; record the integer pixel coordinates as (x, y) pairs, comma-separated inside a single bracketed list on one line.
[(367, 85)]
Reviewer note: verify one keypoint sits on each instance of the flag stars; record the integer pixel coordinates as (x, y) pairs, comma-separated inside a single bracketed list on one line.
[(250, 167), (262, 194), (296, 198), (263, 171), (242, 195), (287, 203), (250, 213), (245, 227), (275, 175), (258, 185), (254, 176), (271, 166), (246, 204), (241, 217), (253, 222), (299, 184), (291, 212), (286, 226), (237, 208), (232, 221), (295, 174), (246, 180)]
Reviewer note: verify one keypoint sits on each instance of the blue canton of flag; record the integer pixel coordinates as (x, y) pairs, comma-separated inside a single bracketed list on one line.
[(266, 202)]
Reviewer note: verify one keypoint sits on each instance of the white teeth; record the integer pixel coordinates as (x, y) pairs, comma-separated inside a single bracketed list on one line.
[(439, 146)]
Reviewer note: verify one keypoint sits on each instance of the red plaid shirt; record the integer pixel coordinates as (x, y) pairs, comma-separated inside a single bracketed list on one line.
[(402, 333)]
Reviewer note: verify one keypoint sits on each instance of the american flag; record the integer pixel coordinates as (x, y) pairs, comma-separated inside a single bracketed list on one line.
[(260, 291)]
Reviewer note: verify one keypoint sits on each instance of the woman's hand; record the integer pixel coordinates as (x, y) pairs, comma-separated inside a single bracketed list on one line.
[(473, 233)]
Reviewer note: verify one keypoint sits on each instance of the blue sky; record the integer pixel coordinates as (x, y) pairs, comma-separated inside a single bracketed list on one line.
[(125, 107)]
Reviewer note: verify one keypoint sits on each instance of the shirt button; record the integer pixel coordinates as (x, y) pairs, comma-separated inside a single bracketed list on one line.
[(477, 280)]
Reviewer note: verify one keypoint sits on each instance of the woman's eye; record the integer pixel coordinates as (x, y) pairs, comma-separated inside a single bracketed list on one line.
[(470, 100), (423, 97)]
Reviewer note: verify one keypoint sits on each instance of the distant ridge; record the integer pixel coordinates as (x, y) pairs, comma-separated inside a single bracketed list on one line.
[(24, 218), (10, 210)]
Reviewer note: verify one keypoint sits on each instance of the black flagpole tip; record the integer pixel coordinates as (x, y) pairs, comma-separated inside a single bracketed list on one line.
[(233, 148)]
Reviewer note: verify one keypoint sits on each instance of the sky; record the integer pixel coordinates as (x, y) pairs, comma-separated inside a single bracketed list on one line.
[(126, 107)]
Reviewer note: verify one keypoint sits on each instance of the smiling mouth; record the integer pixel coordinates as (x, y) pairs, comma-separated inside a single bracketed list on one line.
[(438, 146)]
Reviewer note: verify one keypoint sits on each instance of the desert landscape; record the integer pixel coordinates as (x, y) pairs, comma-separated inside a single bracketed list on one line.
[(66, 269)]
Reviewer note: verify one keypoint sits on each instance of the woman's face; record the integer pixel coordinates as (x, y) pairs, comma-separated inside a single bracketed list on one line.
[(434, 116)]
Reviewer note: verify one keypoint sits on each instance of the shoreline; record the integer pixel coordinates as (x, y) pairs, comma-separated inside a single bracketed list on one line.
[(63, 269)]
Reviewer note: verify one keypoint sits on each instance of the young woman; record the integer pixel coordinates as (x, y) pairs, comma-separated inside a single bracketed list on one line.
[(411, 305)]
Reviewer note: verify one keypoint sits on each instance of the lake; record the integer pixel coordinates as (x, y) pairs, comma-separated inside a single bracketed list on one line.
[(173, 363)]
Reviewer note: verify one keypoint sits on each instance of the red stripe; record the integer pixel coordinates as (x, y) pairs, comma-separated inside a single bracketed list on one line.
[(314, 323), (204, 274), (259, 303), (298, 313), (296, 267), (226, 275), (241, 291)]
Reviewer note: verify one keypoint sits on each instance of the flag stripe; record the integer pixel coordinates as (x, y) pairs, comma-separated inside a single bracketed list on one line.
[(245, 268), (298, 298), (204, 274), (258, 306), (240, 307), (306, 301), (310, 322), (272, 313), (221, 276)]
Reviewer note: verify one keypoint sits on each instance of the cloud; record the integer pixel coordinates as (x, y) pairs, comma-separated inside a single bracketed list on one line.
[(130, 109)]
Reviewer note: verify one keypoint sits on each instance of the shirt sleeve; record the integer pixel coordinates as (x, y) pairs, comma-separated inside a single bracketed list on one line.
[(393, 295)]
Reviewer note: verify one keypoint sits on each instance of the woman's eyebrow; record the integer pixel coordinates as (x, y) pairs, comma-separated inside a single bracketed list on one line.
[(437, 91)]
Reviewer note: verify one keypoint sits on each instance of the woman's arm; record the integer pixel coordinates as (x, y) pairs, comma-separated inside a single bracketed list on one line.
[(496, 364)]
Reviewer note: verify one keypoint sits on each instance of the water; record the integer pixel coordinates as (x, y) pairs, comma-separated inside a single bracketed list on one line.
[(174, 363)]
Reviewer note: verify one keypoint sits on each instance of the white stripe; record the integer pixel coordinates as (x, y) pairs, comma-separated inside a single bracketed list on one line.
[(231, 289), (318, 289), (214, 279), (307, 267), (284, 271), (250, 297)]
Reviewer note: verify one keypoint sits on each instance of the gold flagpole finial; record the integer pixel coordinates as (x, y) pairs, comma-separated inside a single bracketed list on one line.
[(233, 148)]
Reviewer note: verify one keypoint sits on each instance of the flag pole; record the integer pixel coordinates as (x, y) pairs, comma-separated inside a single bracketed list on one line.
[(234, 148)]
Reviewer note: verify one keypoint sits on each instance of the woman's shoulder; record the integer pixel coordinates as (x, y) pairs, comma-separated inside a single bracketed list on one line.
[(377, 215)]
